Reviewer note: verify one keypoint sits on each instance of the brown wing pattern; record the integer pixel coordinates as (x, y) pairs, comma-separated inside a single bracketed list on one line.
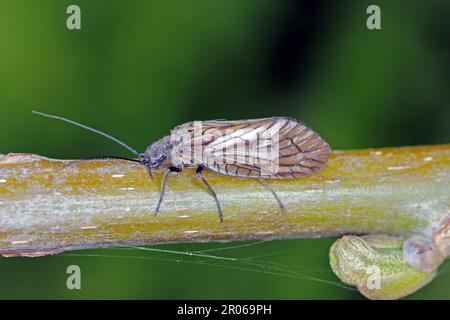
[(239, 148)]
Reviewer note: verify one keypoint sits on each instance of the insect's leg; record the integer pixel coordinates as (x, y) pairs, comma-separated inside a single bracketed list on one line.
[(211, 190), (163, 187), (264, 182)]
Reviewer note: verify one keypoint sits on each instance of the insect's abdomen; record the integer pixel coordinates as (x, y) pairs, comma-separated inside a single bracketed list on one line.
[(278, 147)]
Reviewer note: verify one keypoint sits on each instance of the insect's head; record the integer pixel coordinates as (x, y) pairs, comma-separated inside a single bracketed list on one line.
[(157, 154)]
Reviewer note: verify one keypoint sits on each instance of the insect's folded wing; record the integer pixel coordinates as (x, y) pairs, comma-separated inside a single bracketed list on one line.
[(274, 148)]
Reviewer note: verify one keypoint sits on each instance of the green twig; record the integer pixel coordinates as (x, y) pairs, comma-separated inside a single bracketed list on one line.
[(48, 206)]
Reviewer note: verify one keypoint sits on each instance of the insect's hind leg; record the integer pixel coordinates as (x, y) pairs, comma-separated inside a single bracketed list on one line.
[(268, 187), (211, 190), (163, 187)]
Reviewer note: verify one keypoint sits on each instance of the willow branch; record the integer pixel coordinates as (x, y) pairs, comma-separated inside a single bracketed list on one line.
[(49, 206)]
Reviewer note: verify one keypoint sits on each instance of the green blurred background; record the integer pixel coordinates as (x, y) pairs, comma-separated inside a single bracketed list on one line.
[(138, 68)]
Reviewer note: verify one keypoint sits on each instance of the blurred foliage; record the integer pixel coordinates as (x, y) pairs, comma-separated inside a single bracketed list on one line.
[(138, 68)]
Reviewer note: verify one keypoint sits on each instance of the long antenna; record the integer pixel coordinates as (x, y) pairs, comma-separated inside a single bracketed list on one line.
[(113, 157), (90, 129)]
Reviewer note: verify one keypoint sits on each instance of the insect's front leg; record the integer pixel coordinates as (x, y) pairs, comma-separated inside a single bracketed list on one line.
[(163, 186)]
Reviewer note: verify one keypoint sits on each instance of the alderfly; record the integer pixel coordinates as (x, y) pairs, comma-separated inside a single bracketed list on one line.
[(268, 148)]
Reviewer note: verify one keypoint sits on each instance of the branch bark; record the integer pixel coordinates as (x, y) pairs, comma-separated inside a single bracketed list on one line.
[(49, 206)]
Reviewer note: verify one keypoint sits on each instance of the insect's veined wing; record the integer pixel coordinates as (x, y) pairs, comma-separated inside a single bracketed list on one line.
[(277, 147), (189, 139)]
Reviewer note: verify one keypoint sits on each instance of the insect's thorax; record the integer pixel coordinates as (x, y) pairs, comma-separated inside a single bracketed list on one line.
[(184, 147)]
